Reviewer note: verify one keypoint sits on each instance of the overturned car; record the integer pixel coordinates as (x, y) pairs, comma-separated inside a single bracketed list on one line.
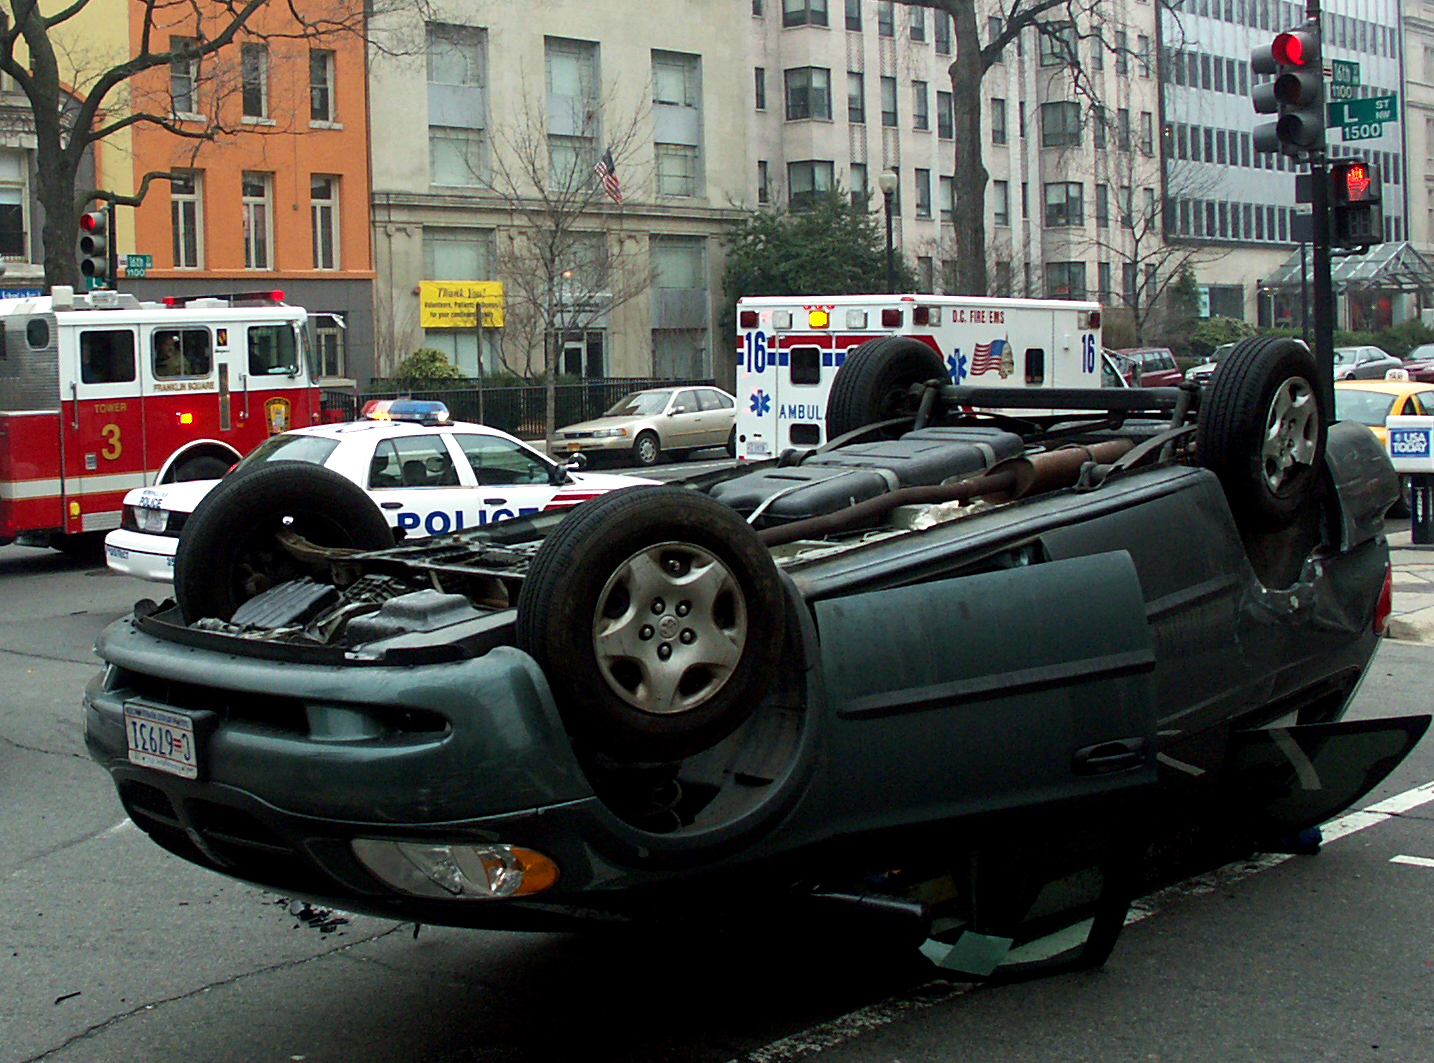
[(956, 669)]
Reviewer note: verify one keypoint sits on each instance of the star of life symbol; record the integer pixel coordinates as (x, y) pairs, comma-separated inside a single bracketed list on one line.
[(956, 365), (761, 403)]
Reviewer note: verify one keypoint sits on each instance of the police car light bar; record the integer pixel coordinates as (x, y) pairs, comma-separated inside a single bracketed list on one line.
[(412, 411)]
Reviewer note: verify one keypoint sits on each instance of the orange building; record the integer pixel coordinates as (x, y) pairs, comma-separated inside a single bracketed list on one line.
[(279, 197)]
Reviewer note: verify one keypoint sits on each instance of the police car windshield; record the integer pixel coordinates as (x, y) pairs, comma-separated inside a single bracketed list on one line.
[(1366, 407), (288, 447), (642, 404)]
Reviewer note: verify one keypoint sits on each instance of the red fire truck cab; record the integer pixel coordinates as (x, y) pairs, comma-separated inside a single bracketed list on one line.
[(101, 393)]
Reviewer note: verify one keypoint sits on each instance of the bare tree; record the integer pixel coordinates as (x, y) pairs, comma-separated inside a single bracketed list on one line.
[(78, 96), (564, 256)]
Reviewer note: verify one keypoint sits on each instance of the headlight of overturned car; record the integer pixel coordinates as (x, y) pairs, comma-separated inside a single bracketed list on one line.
[(484, 872)]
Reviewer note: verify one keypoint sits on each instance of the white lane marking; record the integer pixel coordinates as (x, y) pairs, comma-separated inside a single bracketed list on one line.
[(122, 825), (874, 1016), (1412, 861)]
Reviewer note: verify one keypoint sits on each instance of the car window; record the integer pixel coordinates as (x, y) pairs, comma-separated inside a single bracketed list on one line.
[(710, 399), (687, 400), (498, 461), (639, 404), (412, 461), (289, 447), (1366, 407), (724, 400), (1420, 353), (272, 351), (1425, 401), (181, 353), (106, 357), (1165, 360), (1343, 355)]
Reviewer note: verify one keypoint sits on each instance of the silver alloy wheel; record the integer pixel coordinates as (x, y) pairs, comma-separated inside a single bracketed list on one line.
[(1291, 433), (669, 629)]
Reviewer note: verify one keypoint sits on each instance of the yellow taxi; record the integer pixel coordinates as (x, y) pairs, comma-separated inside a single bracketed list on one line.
[(1370, 401)]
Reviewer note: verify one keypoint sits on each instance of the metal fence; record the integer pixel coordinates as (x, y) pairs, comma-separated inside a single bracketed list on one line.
[(518, 410)]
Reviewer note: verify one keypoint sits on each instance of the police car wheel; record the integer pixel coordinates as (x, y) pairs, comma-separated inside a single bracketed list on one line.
[(1262, 431), (656, 615), (874, 382), (228, 552), (646, 449)]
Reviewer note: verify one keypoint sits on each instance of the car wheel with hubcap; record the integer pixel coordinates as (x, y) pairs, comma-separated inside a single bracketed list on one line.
[(654, 612), (646, 450)]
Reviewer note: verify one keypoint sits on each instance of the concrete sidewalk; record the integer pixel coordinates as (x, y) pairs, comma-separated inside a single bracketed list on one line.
[(1413, 617)]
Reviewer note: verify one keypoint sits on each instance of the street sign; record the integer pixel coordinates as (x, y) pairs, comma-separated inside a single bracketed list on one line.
[(136, 265), (1344, 79), (1362, 131), (1374, 109)]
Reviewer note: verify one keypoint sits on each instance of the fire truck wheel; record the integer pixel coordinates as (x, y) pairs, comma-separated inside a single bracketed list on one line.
[(874, 383), (656, 615), (205, 468), (1262, 431), (229, 551)]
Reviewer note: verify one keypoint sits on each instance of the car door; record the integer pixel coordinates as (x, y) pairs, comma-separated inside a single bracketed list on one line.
[(684, 422), (716, 422), (512, 481), (420, 487)]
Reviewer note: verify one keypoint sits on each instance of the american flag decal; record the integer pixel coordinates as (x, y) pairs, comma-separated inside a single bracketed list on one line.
[(987, 358), (607, 174)]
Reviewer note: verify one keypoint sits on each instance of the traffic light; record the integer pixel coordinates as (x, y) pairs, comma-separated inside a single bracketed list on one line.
[(1356, 204), (95, 245), (1296, 93)]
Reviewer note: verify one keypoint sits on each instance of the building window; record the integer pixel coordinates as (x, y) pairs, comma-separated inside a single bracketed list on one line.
[(186, 219), (329, 344), (1102, 206), (1142, 58), (886, 18), (321, 86), (917, 21), (1065, 204), (855, 97), (943, 33), (760, 77), (1001, 202), (324, 215), (1058, 45), (920, 102), (1060, 124), (807, 182), (257, 202), (1097, 127), (923, 193), (946, 191), (945, 116), (888, 101), (1097, 50), (457, 254), (804, 12), (993, 30), (254, 71), (1122, 129), (1003, 277), (809, 93), (677, 169), (998, 121), (764, 193), (1125, 206), (184, 76), (457, 105), (1122, 53), (1065, 280), (860, 190), (677, 80), (925, 274), (1147, 133), (853, 15), (456, 157), (1103, 282), (572, 111)]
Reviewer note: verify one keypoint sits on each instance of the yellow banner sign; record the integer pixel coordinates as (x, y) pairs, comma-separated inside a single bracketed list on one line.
[(454, 304)]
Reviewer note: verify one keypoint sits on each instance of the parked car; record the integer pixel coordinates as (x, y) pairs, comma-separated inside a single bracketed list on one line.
[(1201, 374), (425, 473), (954, 673), (647, 424), (1363, 363), (1419, 363), (1371, 402), (1155, 365)]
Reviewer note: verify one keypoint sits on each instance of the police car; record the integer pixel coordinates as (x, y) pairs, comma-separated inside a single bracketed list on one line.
[(428, 474)]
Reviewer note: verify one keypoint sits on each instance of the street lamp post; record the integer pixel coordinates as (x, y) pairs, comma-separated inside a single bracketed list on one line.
[(887, 182)]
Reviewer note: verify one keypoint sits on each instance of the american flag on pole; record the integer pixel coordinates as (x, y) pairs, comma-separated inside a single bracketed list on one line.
[(986, 357), (607, 174)]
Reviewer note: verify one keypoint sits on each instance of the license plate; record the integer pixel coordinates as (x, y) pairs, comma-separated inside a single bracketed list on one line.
[(151, 520), (119, 553), (756, 447), (575, 446), (161, 740)]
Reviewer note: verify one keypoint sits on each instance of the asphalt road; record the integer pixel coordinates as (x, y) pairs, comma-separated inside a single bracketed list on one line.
[(112, 950)]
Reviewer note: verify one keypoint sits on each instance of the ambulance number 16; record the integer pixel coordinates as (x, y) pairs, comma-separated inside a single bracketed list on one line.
[(1087, 353), (755, 354)]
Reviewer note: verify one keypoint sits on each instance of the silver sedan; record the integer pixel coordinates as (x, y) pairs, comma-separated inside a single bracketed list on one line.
[(1363, 363), (648, 424)]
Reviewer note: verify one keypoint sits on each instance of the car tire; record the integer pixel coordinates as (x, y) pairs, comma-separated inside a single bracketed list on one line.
[(646, 449), (1402, 508), (1262, 431), (874, 382), (227, 553), (202, 468), (628, 574), (732, 442)]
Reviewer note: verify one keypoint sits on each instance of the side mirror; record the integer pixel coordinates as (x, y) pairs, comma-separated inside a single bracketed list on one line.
[(676, 410), (577, 463)]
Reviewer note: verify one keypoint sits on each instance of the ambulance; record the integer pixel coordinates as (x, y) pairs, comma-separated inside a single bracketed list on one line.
[(101, 393), (790, 347)]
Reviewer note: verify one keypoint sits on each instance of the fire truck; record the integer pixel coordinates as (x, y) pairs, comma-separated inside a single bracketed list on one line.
[(789, 349), (100, 393)]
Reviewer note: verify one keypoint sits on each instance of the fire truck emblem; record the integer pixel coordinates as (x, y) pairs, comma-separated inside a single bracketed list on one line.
[(992, 357), (761, 403), (276, 415)]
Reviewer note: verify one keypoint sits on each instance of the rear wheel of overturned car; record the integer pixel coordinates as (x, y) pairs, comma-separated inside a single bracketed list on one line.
[(655, 613), (1262, 431), (874, 382), (230, 552)]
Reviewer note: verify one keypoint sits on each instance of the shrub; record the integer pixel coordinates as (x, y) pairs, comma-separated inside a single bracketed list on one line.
[(425, 364), (1212, 332)]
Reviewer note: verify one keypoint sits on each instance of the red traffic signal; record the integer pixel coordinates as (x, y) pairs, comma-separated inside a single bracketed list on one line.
[(1292, 49), (94, 221)]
